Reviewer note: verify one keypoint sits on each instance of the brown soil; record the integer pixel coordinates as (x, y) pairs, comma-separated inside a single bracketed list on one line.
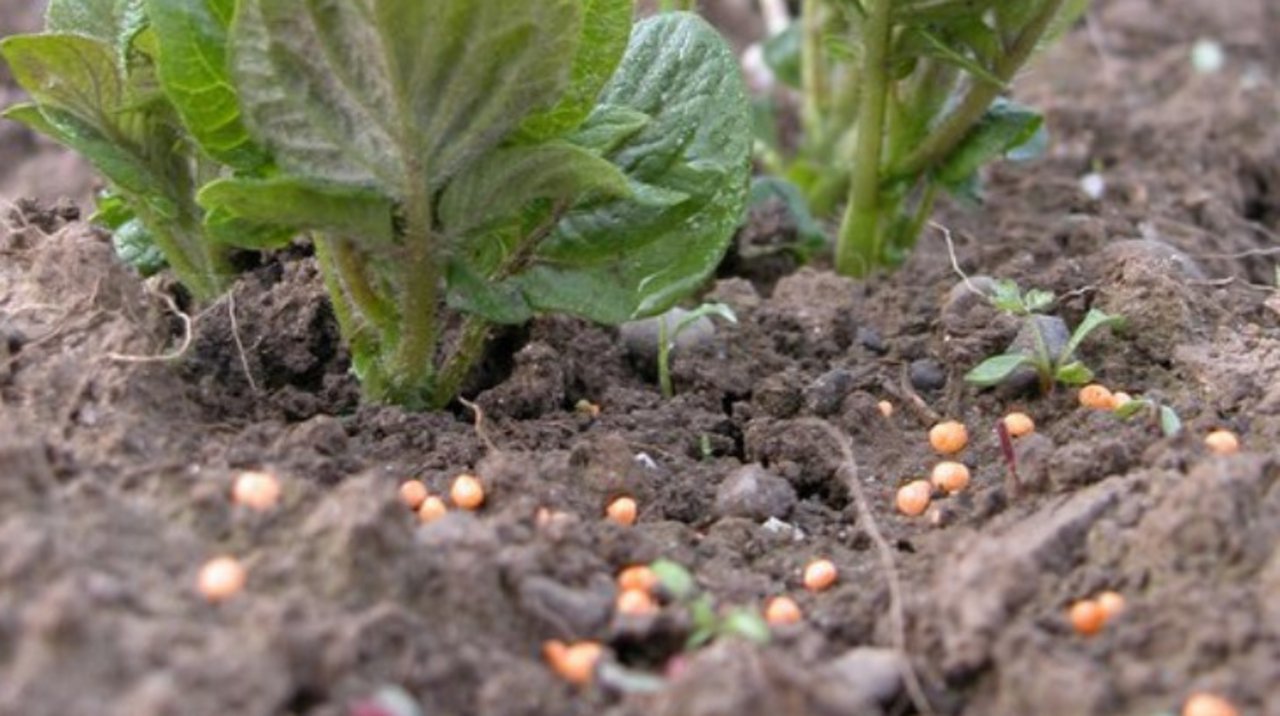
[(116, 471)]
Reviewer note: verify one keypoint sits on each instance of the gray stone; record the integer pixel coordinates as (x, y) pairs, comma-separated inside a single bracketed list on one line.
[(754, 493), (823, 396), (926, 374), (859, 678)]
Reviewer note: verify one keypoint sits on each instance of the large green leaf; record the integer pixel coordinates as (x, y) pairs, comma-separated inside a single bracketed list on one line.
[(609, 128), (634, 257), (192, 64), (74, 73), (397, 94), (605, 29), (497, 187), (360, 214)]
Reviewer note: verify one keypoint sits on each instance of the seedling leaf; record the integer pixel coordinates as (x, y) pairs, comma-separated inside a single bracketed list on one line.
[(1093, 320), (674, 578), (1037, 300), (747, 624), (136, 247), (1170, 423), (996, 369), (1132, 408), (1074, 373)]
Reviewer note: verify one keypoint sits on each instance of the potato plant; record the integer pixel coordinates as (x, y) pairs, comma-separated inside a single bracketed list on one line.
[(901, 99), (482, 159)]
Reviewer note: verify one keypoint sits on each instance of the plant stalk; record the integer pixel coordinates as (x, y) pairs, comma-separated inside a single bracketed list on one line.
[(411, 365), (813, 79), (859, 247), (468, 349)]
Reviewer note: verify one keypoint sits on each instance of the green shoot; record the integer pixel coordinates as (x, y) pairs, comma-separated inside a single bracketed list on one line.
[(1051, 367), (667, 338), (709, 623), (1165, 416)]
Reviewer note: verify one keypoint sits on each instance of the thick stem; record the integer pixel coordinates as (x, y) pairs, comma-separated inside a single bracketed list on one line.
[(411, 366), (939, 145), (859, 247), (469, 348), (201, 267)]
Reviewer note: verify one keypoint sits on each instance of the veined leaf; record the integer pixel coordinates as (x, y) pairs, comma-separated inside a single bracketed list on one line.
[(73, 73), (606, 28), (1093, 320), (497, 187), (631, 258), (397, 94), (192, 64), (363, 215), (1005, 126), (608, 128)]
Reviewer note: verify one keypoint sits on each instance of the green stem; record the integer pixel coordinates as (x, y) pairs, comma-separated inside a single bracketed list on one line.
[(468, 349), (939, 145), (664, 360), (859, 247), (412, 363), (204, 269), (813, 78), (351, 267)]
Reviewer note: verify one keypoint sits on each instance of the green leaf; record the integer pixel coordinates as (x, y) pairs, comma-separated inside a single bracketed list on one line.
[(1093, 320), (497, 187), (99, 19), (782, 55), (1037, 300), (609, 127), (397, 94), (111, 211), (136, 247), (674, 578), (228, 229), (192, 65), (606, 28), (1008, 297), (1170, 423), (996, 369), (1073, 373), (747, 624), (630, 258), (73, 73), (939, 49), (472, 292), (1132, 408), (917, 11), (360, 214), (1005, 125)]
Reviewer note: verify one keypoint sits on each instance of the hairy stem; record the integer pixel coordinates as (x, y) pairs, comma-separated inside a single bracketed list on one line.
[(468, 349), (939, 145), (858, 249), (411, 365)]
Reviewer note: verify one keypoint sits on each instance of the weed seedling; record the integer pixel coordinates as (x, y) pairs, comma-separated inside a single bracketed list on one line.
[(709, 623), (667, 338), (1165, 416), (1051, 367)]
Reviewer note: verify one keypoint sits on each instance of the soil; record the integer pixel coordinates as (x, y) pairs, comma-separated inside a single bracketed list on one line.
[(117, 463)]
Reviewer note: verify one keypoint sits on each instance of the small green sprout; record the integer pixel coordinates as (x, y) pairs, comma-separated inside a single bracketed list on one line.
[(1052, 368), (1170, 423), (667, 338), (709, 623)]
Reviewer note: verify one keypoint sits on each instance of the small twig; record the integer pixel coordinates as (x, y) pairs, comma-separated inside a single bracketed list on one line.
[(187, 335), (908, 395), (955, 262), (849, 469), (235, 335), (479, 424)]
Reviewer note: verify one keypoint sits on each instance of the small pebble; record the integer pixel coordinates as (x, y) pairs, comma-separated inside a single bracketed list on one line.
[(927, 375)]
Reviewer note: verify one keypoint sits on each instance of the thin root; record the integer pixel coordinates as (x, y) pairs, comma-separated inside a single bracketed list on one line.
[(183, 346), (479, 424), (235, 335)]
